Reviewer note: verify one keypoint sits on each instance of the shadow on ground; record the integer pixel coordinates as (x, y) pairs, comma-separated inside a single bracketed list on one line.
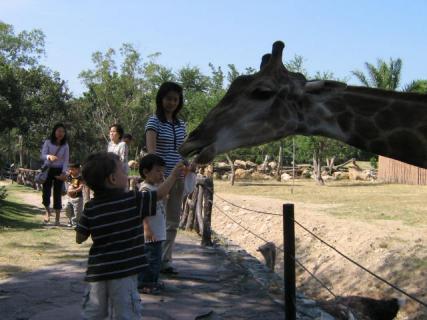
[(209, 286), (18, 215)]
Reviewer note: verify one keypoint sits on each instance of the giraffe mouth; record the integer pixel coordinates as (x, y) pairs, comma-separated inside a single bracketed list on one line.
[(202, 155)]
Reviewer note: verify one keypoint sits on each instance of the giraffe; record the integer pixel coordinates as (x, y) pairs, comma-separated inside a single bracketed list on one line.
[(275, 103)]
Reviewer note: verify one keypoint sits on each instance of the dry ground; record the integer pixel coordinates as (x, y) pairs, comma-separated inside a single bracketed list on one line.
[(382, 227)]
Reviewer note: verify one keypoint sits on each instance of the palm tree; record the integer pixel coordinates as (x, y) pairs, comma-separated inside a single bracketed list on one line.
[(383, 76), (419, 86)]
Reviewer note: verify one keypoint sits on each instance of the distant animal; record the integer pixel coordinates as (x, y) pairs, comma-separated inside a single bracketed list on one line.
[(268, 251), (362, 308)]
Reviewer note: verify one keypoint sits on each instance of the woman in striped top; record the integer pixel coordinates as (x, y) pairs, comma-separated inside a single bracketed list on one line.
[(164, 135)]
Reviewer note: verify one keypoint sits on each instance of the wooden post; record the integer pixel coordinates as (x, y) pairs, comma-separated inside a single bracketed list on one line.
[(185, 210), (198, 225), (191, 211), (207, 210), (289, 261)]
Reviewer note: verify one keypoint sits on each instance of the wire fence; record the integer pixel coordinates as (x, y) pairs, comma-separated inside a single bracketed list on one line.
[(410, 296)]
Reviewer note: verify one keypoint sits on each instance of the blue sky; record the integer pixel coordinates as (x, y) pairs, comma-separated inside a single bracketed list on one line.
[(332, 35)]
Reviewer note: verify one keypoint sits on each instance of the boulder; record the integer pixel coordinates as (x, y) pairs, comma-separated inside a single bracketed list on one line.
[(272, 165), (242, 174), (340, 175), (260, 176), (250, 164), (240, 164), (285, 177)]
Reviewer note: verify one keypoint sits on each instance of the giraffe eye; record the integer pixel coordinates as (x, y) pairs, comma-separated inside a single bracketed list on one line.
[(262, 93)]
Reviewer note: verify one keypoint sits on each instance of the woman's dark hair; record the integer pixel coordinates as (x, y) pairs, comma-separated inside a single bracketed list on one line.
[(53, 137), (164, 89), (119, 129), (98, 167), (149, 161)]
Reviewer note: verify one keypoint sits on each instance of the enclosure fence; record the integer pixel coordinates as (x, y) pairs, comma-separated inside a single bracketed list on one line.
[(197, 211), (410, 296)]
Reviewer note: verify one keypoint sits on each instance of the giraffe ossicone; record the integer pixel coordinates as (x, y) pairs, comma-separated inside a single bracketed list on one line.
[(274, 103)]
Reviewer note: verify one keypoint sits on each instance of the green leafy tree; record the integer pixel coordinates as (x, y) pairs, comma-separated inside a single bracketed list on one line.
[(383, 75)]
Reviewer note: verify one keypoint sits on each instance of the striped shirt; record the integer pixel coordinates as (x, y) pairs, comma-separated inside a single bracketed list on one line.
[(170, 136), (114, 222)]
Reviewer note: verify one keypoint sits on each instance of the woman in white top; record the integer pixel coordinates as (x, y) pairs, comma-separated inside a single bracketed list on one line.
[(55, 154), (117, 146)]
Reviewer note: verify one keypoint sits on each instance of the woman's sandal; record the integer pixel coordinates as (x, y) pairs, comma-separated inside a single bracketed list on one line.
[(46, 220)]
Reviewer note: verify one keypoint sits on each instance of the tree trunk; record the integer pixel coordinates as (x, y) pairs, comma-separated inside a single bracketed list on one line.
[(317, 164), (279, 162), (232, 169), (21, 150), (207, 212)]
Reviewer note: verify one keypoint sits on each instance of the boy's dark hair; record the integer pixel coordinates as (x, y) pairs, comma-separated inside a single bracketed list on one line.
[(149, 161), (52, 134), (98, 167), (74, 165), (127, 136), (164, 89), (119, 129)]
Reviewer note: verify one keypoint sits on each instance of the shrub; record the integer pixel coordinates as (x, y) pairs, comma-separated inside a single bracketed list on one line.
[(3, 193), (374, 162)]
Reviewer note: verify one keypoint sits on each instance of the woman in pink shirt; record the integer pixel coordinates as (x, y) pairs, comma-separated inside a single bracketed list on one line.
[(55, 154)]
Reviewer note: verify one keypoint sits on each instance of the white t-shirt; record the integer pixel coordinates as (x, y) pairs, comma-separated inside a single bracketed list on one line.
[(121, 149), (157, 222)]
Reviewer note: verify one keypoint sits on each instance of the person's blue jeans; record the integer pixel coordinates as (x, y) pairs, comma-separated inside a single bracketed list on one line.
[(150, 275)]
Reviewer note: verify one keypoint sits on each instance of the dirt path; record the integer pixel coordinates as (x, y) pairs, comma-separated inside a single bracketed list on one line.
[(390, 249), (395, 251)]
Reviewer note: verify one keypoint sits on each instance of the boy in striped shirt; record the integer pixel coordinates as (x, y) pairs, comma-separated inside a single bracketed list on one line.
[(114, 220)]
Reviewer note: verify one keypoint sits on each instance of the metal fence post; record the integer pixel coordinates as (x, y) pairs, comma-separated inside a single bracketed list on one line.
[(289, 260)]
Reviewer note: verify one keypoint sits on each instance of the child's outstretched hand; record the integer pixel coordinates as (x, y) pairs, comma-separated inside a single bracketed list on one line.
[(178, 169)]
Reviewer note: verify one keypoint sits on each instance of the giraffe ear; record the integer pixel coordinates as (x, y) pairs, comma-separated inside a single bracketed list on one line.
[(324, 85)]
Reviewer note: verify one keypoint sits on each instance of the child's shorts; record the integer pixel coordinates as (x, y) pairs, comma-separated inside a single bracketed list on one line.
[(120, 297), (74, 207)]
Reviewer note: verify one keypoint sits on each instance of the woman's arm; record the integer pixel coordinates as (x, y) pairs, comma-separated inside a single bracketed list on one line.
[(45, 151), (66, 158), (151, 141)]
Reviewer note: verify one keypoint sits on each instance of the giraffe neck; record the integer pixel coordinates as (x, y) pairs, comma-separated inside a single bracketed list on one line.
[(391, 124)]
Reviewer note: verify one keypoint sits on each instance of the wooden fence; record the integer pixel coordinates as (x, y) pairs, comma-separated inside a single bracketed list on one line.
[(393, 171), (27, 177), (197, 206), (197, 209)]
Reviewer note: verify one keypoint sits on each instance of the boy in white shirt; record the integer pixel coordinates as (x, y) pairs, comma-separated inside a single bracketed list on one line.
[(151, 169)]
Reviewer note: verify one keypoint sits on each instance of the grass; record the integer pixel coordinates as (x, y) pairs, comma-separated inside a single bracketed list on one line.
[(25, 244), (356, 200)]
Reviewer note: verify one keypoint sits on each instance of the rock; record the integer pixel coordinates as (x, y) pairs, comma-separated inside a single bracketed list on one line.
[(242, 174), (285, 177), (250, 164), (240, 164), (340, 175), (260, 176), (272, 165)]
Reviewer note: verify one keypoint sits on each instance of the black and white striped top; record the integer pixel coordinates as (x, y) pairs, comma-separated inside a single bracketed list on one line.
[(114, 222), (170, 136)]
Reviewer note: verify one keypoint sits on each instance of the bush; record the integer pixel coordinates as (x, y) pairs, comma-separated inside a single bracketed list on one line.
[(3, 193), (374, 162)]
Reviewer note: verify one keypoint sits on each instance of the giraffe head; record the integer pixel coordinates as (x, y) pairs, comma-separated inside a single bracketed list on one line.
[(256, 109)]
